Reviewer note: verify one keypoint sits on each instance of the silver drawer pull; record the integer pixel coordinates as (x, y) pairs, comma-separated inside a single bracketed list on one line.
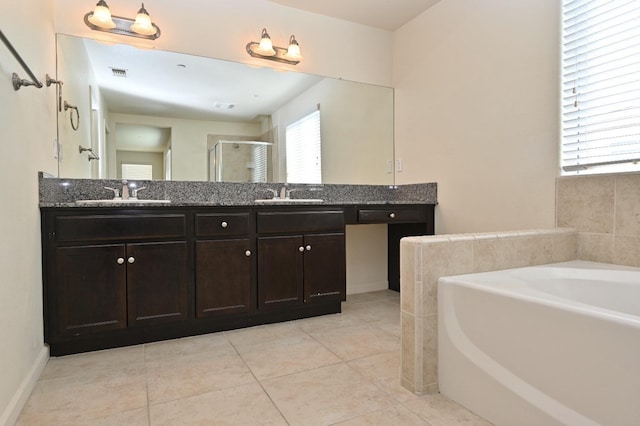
[(224, 224), (247, 253), (308, 248), (120, 260), (301, 249), (131, 259), (392, 215)]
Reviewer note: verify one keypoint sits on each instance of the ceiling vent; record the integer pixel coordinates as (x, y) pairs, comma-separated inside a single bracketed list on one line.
[(224, 105), (119, 72)]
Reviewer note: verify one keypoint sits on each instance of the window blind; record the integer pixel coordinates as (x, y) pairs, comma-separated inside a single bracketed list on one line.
[(600, 85), (137, 171), (303, 150), (260, 163)]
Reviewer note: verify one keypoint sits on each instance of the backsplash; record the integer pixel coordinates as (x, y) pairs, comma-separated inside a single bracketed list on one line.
[(605, 209)]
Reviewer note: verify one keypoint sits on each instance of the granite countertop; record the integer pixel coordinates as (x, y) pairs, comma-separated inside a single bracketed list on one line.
[(63, 193)]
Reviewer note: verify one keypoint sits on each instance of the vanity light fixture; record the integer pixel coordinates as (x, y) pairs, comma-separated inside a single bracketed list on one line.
[(102, 20), (266, 50)]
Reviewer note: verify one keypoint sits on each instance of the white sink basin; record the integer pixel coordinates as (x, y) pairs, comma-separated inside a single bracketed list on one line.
[(289, 200), (113, 201)]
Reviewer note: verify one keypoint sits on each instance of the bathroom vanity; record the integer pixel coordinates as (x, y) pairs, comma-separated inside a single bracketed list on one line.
[(122, 275)]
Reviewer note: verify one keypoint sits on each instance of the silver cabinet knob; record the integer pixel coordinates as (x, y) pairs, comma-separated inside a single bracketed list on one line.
[(120, 260), (308, 248), (247, 253), (131, 259), (224, 224), (392, 215), (301, 249)]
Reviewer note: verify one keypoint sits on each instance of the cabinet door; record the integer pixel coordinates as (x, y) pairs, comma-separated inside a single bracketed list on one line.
[(223, 277), (90, 289), (157, 279), (324, 268), (280, 275)]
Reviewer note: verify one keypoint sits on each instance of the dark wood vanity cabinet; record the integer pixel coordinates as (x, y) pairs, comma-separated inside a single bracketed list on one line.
[(108, 272), (224, 264), (301, 258), (90, 290), (116, 276)]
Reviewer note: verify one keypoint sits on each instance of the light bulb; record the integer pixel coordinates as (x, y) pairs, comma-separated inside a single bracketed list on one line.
[(266, 47), (293, 52), (101, 16), (142, 25)]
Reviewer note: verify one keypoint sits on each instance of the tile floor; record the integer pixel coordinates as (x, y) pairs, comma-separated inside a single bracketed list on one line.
[(337, 369)]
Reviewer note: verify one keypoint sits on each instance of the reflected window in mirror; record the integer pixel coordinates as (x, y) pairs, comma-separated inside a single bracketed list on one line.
[(304, 153)]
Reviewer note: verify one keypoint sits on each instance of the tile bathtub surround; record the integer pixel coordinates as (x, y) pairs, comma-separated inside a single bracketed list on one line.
[(341, 369), (425, 259), (63, 192), (605, 209)]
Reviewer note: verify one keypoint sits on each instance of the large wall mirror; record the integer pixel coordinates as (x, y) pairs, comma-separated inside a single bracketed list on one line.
[(146, 113)]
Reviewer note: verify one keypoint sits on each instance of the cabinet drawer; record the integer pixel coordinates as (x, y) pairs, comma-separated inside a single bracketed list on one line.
[(304, 221), (392, 215), (216, 225), (119, 227)]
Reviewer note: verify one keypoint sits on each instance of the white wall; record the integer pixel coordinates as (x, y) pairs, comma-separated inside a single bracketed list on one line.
[(476, 111), (222, 28), (27, 129)]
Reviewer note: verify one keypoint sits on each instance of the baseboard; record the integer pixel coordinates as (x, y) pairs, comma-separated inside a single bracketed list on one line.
[(355, 288), (21, 395)]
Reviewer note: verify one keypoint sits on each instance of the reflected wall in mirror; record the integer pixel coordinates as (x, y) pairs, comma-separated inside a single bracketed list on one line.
[(169, 110)]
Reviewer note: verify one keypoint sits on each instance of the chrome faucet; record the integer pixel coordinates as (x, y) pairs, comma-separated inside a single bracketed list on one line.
[(125, 189), (274, 192)]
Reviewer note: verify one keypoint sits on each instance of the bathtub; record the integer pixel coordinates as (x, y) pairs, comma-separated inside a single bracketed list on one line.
[(544, 345)]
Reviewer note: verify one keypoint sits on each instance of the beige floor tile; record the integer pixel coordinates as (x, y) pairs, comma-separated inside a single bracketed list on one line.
[(357, 342), (397, 415), (77, 398), (240, 405), (329, 322), (187, 346), (380, 310), (441, 411), (195, 374), (384, 370), (91, 363), (265, 333), (137, 417), (325, 395), (286, 356)]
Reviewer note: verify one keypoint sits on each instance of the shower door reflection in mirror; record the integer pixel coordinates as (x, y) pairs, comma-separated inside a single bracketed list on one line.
[(241, 161)]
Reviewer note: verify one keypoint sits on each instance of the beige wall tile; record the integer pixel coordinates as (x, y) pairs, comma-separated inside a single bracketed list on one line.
[(626, 251), (408, 358), (430, 350), (493, 254), (595, 247), (409, 269), (586, 203), (441, 260), (627, 209), (565, 247), (534, 250)]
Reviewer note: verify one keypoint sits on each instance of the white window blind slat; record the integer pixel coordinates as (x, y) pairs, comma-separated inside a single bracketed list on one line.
[(601, 85)]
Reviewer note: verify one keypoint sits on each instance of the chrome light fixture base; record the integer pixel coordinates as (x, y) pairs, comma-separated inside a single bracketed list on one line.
[(123, 27)]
